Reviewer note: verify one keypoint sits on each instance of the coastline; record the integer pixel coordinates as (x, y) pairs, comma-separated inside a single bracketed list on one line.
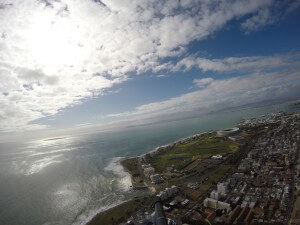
[(113, 215), (115, 166), (125, 205), (121, 162), (173, 143), (153, 151)]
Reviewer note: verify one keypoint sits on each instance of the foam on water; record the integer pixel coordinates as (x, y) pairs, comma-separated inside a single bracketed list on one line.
[(68, 195), (124, 182), (124, 177)]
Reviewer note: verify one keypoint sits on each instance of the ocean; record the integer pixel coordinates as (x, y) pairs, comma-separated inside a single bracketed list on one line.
[(67, 180)]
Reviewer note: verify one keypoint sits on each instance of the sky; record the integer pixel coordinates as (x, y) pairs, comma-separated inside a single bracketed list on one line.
[(70, 64)]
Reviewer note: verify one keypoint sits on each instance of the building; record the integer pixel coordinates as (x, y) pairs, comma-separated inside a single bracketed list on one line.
[(156, 179), (214, 204), (217, 157), (227, 132), (242, 216), (148, 171), (237, 138), (222, 188), (234, 214), (215, 195), (168, 193)]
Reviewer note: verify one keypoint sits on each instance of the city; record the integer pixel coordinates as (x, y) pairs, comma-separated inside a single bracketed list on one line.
[(261, 186)]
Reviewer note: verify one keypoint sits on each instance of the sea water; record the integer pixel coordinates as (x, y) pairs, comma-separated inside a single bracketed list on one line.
[(67, 180)]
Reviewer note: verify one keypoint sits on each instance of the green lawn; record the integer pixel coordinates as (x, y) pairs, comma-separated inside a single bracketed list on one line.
[(131, 166), (297, 203), (213, 177), (116, 214), (205, 146)]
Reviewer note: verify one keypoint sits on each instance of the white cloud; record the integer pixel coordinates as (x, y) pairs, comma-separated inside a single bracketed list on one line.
[(262, 18), (241, 64), (266, 16), (54, 54), (203, 82), (162, 76), (221, 94)]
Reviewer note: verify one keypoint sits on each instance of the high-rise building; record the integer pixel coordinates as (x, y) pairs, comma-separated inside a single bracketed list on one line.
[(215, 195), (222, 188)]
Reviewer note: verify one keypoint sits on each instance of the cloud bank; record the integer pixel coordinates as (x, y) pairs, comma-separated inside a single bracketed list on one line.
[(220, 94)]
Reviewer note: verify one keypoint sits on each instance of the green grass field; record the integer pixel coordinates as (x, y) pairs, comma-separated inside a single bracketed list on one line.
[(131, 166), (213, 177), (205, 146), (117, 214), (297, 203)]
